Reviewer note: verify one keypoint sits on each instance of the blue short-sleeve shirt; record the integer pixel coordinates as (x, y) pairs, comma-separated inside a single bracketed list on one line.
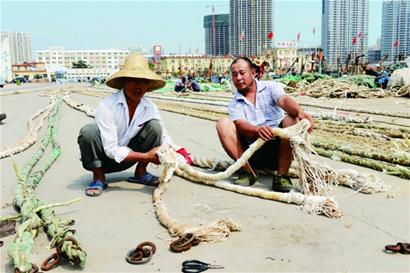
[(265, 111)]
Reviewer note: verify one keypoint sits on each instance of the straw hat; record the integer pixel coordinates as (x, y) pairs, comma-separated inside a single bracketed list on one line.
[(135, 66), (258, 62)]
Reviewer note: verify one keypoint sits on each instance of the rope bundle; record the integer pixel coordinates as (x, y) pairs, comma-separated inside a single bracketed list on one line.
[(33, 213), (32, 131)]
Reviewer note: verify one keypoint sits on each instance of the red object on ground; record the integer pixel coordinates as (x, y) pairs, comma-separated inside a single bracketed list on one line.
[(185, 154)]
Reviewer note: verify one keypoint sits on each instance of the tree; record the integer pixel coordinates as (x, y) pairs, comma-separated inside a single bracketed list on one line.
[(81, 64)]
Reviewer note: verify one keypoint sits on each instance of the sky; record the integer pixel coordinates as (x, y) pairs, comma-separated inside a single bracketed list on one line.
[(176, 25)]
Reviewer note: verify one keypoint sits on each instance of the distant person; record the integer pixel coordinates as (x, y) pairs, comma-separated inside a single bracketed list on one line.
[(371, 70), (220, 78), (193, 85), (381, 79), (127, 128), (180, 84), (261, 69)]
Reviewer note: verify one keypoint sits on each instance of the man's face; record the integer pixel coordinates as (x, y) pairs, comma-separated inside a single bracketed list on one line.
[(135, 88), (242, 75)]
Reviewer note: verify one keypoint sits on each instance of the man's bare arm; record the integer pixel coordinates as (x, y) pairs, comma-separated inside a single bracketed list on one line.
[(293, 109)]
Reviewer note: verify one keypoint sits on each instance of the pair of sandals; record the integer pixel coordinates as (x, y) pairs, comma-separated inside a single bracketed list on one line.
[(97, 187)]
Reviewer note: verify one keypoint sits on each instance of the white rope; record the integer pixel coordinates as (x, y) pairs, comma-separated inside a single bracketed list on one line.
[(31, 136), (79, 106)]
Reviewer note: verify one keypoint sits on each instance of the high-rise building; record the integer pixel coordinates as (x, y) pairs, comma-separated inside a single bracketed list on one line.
[(15, 49), (20, 46), (251, 22), (395, 38), (373, 55), (344, 29), (216, 34)]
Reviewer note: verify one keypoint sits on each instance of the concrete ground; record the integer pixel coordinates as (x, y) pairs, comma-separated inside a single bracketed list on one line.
[(275, 237)]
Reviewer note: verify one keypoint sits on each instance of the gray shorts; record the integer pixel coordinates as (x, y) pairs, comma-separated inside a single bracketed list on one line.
[(92, 150)]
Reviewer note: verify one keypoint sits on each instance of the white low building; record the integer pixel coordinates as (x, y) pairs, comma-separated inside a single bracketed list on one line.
[(83, 74), (96, 58)]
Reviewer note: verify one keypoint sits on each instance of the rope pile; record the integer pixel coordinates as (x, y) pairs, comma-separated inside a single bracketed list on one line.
[(221, 228), (34, 214), (335, 88), (403, 91)]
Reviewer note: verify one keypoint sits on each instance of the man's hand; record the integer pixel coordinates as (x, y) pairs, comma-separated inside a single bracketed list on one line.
[(151, 156), (265, 132), (304, 115)]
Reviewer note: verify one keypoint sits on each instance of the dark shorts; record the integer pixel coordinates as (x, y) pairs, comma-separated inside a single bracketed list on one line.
[(266, 157)]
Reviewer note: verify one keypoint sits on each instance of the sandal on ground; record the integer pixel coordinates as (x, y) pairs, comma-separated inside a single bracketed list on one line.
[(146, 179), (403, 248), (97, 186)]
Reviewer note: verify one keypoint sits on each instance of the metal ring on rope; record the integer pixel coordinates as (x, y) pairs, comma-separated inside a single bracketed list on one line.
[(51, 261), (184, 243), (74, 246), (142, 253)]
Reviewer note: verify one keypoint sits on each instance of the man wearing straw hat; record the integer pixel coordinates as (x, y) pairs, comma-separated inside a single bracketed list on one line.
[(127, 129)]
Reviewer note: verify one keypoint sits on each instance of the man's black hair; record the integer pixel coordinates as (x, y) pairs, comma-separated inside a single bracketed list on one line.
[(246, 59)]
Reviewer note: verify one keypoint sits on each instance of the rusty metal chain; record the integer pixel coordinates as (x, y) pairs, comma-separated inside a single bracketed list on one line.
[(142, 253), (51, 262), (184, 243)]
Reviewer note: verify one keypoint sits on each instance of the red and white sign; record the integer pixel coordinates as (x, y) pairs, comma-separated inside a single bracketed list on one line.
[(285, 44)]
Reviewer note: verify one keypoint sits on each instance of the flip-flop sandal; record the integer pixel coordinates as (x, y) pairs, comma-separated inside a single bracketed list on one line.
[(403, 248), (146, 179), (98, 187)]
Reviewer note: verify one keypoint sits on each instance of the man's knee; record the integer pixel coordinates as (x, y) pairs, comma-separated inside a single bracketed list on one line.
[(225, 124), (88, 132), (153, 126), (288, 121)]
